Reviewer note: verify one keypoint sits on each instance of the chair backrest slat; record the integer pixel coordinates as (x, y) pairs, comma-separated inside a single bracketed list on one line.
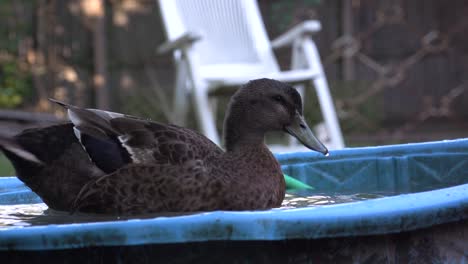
[(232, 31)]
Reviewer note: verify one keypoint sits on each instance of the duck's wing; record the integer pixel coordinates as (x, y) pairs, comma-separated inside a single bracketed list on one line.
[(51, 162), (152, 189), (114, 140)]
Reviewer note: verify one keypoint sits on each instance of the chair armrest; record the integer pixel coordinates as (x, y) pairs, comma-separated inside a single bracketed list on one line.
[(287, 38), (181, 42)]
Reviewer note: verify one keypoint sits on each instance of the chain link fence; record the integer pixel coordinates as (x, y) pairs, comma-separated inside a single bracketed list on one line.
[(412, 63)]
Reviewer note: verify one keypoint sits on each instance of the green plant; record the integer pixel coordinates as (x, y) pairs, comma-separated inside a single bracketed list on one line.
[(15, 76), (15, 85)]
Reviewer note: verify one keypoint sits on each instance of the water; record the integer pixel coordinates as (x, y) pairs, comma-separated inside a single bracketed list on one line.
[(310, 200), (23, 215)]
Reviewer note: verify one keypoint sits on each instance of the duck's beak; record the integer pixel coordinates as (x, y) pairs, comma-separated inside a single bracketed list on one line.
[(300, 130)]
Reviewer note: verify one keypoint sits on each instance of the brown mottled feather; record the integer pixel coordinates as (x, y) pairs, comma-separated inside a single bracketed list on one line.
[(164, 144), (193, 186)]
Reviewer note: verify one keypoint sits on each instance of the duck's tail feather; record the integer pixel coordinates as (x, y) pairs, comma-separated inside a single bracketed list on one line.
[(98, 123), (99, 138), (9, 146)]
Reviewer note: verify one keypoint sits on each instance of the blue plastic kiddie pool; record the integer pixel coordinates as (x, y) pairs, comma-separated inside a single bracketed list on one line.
[(424, 218)]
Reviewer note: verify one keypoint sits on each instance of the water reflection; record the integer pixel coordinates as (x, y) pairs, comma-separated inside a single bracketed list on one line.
[(304, 200)]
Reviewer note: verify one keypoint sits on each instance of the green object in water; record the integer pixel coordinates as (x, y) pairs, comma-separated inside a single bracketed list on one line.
[(293, 184)]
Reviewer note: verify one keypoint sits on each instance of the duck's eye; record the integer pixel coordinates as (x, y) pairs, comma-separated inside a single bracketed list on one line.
[(278, 98)]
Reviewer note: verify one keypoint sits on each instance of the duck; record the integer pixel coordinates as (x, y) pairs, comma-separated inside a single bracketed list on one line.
[(110, 163)]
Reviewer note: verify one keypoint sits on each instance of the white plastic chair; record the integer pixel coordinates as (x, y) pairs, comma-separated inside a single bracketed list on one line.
[(223, 43)]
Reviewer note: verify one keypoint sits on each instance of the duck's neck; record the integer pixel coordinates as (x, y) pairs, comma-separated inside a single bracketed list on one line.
[(239, 139), (239, 136)]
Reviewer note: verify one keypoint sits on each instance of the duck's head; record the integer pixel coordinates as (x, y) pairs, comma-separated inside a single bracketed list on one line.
[(265, 105)]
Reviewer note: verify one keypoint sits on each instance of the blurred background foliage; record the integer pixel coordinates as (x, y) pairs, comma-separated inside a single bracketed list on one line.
[(15, 85), (15, 78)]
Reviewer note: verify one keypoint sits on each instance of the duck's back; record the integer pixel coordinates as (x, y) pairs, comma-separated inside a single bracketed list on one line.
[(171, 144)]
